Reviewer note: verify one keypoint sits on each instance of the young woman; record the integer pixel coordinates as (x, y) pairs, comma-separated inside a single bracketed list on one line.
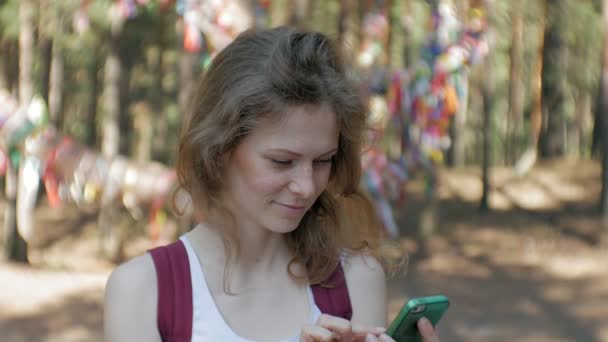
[(270, 155)]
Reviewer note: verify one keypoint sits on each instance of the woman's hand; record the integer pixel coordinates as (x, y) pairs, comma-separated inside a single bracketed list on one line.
[(330, 329), (424, 326), (427, 331)]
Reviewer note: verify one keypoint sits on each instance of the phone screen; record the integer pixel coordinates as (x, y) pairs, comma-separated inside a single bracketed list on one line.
[(404, 328)]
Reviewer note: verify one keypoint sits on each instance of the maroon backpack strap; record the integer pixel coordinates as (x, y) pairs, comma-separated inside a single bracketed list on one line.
[(174, 292), (332, 295)]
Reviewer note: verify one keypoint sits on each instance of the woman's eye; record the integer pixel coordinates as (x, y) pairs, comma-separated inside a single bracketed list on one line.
[(281, 162), (323, 161)]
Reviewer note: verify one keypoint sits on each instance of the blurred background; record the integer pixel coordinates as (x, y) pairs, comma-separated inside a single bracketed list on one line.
[(486, 157)]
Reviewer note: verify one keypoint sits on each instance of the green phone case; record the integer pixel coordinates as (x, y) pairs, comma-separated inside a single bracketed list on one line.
[(404, 328)]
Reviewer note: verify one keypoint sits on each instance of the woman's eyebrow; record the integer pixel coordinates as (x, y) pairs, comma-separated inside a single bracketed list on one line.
[(295, 154)]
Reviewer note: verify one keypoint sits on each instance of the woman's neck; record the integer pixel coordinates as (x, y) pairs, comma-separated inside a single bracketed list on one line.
[(260, 251)]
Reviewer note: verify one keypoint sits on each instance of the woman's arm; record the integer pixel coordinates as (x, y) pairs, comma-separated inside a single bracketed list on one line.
[(367, 289), (131, 302)]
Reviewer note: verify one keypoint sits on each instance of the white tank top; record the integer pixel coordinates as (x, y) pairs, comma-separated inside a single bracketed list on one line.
[(207, 321)]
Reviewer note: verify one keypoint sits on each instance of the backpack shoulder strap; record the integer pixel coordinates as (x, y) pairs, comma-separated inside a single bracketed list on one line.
[(174, 313), (332, 296)]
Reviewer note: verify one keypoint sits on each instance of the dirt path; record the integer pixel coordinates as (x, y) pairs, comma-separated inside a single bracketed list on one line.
[(531, 270)]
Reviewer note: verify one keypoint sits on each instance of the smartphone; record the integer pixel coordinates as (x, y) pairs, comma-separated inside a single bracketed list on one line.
[(405, 329)]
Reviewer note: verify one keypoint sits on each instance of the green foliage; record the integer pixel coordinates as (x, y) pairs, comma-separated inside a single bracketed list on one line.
[(9, 19)]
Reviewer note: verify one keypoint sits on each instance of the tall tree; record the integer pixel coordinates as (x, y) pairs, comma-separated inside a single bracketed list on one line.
[(456, 152), (528, 159), (93, 66), (300, 11), (516, 100), (16, 247), (110, 241), (488, 94), (603, 111), (56, 79), (113, 72), (280, 12), (554, 82)]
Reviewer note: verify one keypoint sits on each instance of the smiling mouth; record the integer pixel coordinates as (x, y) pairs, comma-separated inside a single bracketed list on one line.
[(294, 207)]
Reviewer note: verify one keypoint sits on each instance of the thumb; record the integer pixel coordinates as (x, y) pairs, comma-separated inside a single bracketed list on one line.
[(426, 330)]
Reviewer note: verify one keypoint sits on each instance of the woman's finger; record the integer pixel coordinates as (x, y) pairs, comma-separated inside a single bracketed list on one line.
[(315, 333), (386, 338), (360, 334), (427, 331), (339, 326)]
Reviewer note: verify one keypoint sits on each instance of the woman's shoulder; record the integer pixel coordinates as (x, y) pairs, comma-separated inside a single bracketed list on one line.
[(366, 283), (362, 268), (131, 301), (137, 274)]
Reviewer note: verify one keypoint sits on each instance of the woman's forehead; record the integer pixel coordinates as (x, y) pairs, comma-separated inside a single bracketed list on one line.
[(299, 128)]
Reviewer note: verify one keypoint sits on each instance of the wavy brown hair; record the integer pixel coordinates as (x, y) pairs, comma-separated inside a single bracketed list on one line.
[(260, 75)]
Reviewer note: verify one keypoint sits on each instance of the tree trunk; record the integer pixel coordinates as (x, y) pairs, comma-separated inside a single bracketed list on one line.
[(16, 247), (91, 115), (56, 87), (457, 152), (554, 86), (125, 124), (10, 65), (109, 235), (583, 117), (3, 61), (280, 12), (345, 6), (46, 48), (113, 72), (603, 112), (488, 89), (388, 9), (429, 216), (598, 121), (516, 101), (146, 116), (158, 146), (299, 13), (187, 79)]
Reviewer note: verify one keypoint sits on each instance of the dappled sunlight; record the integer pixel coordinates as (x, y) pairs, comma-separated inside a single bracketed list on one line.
[(447, 265), (545, 188), (27, 291), (529, 195), (76, 316), (529, 270), (498, 201), (572, 266)]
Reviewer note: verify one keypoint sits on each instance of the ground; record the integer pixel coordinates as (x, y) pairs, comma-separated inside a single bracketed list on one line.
[(532, 269)]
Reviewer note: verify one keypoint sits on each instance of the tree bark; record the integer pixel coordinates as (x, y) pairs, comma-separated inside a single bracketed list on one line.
[(456, 153), (345, 6), (488, 89), (529, 157), (16, 247), (603, 112), (91, 115), (110, 246), (56, 86), (158, 146), (46, 49), (280, 12), (515, 117), (10, 65), (554, 86), (298, 16), (112, 84)]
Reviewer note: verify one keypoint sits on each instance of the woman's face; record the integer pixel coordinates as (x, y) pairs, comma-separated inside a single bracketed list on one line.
[(278, 171)]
